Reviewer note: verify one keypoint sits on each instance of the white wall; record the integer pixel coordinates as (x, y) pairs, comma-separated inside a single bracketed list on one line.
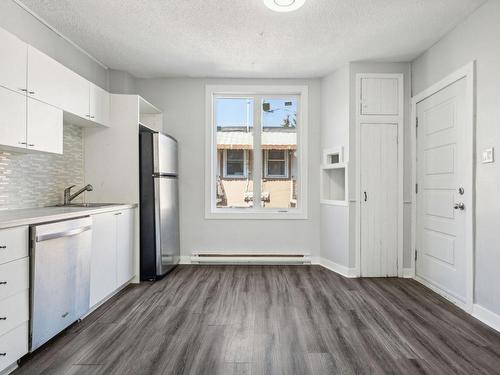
[(334, 133), (478, 38), (183, 103), (19, 22)]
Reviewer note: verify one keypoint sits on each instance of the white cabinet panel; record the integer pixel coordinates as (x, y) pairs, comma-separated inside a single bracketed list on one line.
[(14, 344), (125, 246), (14, 277), (14, 310), (103, 259), (379, 96), (13, 244), (53, 83), (45, 127), (13, 118), (99, 105), (13, 62)]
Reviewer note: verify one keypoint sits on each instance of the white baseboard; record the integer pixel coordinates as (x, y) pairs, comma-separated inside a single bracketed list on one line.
[(338, 268), (408, 273), (486, 316), (185, 259)]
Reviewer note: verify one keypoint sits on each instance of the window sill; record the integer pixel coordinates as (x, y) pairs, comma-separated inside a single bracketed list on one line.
[(235, 214)]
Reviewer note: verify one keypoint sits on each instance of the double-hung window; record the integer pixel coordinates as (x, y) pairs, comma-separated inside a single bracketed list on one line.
[(256, 152)]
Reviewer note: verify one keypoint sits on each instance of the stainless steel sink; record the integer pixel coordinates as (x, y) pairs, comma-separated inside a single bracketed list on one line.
[(89, 205)]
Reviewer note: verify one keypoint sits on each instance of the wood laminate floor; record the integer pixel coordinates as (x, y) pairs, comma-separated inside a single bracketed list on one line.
[(272, 320)]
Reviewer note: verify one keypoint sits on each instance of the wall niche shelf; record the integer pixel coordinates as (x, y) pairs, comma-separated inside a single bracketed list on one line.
[(334, 178)]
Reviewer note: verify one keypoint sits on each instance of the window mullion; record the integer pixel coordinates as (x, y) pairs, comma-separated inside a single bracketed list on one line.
[(257, 152)]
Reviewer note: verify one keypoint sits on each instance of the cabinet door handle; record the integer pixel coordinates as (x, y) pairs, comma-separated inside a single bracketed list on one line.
[(92, 116), (3, 318), (22, 143), (3, 354), (31, 145), (118, 213), (31, 92), (3, 247), (3, 282), (366, 196), (23, 90)]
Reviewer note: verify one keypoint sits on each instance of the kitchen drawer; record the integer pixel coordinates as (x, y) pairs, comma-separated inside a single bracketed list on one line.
[(13, 345), (13, 244), (14, 277), (14, 310)]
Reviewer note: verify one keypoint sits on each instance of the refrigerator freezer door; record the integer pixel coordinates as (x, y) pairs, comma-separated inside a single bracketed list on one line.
[(167, 224), (165, 155)]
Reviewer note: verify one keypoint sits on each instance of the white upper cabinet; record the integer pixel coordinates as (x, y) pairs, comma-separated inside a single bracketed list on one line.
[(13, 60), (45, 127), (99, 105), (13, 118), (379, 96), (53, 83)]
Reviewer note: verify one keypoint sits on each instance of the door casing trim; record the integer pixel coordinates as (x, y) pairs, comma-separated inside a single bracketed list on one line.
[(467, 72), (398, 119)]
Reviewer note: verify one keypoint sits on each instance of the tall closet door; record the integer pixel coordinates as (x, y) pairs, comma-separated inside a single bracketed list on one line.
[(379, 200)]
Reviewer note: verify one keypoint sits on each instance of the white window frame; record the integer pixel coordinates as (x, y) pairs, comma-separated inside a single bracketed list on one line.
[(266, 165), (245, 165), (258, 93)]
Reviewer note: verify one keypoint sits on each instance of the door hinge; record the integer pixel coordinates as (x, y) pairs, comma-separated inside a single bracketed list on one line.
[(416, 254), (416, 188)]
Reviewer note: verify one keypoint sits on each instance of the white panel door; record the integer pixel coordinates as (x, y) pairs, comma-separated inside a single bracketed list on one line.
[(14, 55), (45, 127), (103, 259), (124, 246), (53, 83), (440, 239), (379, 200), (12, 118)]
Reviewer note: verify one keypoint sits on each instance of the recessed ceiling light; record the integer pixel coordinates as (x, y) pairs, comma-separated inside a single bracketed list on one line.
[(284, 5)]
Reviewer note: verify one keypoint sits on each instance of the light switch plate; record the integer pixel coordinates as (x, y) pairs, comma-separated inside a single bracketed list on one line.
[(489, 155)]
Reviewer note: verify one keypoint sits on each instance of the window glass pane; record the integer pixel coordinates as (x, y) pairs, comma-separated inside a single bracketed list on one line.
[(276, 168), (279, 147), (235, 155), (276, 155), (234, 177)]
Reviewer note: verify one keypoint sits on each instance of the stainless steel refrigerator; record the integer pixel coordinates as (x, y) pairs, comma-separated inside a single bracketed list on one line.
[(159, 205)]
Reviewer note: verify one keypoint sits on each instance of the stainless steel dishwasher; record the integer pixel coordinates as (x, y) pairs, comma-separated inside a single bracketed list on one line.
[(60, 276)]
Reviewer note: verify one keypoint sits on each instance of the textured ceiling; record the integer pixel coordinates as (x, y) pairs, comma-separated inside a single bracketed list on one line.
[(242, 38)]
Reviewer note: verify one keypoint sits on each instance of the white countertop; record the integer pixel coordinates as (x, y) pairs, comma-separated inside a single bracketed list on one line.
[(28, 216)]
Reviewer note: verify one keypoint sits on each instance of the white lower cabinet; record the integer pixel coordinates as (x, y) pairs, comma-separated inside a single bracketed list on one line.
[(14, 295), (13, 345), (124, 246), (103, 258), (112, 261)]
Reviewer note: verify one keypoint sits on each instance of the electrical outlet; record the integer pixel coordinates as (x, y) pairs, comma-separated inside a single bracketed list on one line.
[(489, 155)]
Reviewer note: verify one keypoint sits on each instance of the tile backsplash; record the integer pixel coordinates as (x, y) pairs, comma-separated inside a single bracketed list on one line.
[(39, 179)]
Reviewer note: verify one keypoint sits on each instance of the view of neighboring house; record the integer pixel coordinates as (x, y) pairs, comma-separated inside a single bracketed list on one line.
[(235, 158)]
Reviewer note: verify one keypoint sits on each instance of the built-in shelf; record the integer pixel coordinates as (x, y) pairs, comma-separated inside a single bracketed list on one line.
[(334, 178), (150, 116)]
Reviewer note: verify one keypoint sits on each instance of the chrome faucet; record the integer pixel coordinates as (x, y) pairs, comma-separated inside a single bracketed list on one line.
[(68, 197)]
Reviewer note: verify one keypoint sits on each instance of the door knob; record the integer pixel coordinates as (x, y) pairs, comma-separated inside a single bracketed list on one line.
[(459, 206)]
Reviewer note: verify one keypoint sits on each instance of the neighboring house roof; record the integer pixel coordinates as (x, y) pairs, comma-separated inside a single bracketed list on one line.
[(277, 140)]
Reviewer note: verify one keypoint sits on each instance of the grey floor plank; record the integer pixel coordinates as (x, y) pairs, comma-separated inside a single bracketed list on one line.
[(267, 320)]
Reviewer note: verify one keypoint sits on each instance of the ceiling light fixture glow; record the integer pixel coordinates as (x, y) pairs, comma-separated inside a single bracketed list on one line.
[(284, 5)]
